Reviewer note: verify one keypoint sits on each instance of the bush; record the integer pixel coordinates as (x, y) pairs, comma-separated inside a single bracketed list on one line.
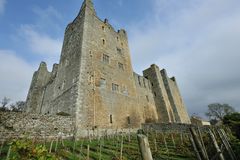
[(233, 121), (25, 150)]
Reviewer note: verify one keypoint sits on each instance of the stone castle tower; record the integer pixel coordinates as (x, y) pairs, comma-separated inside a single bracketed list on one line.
[(94, 81)]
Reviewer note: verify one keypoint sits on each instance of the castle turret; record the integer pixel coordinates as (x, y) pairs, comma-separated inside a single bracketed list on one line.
[(168, 100), (36, 92)]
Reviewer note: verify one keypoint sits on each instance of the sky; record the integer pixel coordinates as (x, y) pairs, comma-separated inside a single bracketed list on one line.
[(198, 41)]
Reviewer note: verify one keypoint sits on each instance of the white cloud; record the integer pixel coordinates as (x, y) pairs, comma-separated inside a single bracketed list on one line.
[(40, 43), (2, 6), (15, 76), (198, 41), (41, 37)]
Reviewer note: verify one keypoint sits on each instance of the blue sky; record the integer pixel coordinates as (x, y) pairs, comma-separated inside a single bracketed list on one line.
[(195, 40)]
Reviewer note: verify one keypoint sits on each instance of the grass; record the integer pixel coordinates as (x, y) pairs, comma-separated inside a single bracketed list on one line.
[(109, 148)]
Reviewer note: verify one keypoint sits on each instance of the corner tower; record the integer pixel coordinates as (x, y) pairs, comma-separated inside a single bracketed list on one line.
[(106, 92)]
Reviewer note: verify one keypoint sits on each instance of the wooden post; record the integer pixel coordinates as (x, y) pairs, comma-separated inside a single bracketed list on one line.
[(121, 150), (62, 141), (201, 139), (181, 137), (88, 148), (144, 147), (1, 147), (155, 144), (195, 148), (100, 150), (56, 145), (9, 152), (165, 142), (198, 144), (74, 146), (226, 144), (174, 145), (129, 135), (81, 147), (50, 149), (226, 138), (219, 152)]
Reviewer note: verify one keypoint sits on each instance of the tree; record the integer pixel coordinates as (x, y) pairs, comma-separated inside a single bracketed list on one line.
[(217, 111), (233, 121), (4, 103), (18, 106)]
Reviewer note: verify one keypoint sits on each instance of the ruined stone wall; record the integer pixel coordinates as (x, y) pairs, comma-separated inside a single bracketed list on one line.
[(145, 99), (37, 89), (181, 110), (61, 94), (164, 109), (26, 125)]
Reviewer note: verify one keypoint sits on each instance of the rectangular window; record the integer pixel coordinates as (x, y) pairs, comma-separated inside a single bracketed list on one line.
[(119, 51), (120, 66), (111, 121), (115, 87), (129, 120), (155, 94), (105, 58), (102, 82)]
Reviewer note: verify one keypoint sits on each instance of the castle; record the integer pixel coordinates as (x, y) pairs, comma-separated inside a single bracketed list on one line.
[(94, 81)]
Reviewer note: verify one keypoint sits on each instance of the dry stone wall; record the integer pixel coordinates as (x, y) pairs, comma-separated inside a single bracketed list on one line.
[(25, 125)]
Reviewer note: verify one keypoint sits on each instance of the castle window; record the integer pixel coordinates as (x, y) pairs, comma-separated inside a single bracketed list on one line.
[(90, 53), (120, 66), (119, 51), (105, 58), (103, 41), (115, 87), (103, 28), (155, 94), (152, 84), (102, 82), (63, 84), (147, 98), (111, 120), (117, 38), (129, 120)]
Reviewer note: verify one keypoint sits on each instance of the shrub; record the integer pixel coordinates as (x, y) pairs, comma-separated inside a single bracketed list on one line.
[(25, 150)]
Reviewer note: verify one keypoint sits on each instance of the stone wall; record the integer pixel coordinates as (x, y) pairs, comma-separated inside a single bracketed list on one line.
[(173, 127), (16, 125)]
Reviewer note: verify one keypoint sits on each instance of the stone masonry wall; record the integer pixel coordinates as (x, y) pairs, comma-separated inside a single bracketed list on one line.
[(21, 125)]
